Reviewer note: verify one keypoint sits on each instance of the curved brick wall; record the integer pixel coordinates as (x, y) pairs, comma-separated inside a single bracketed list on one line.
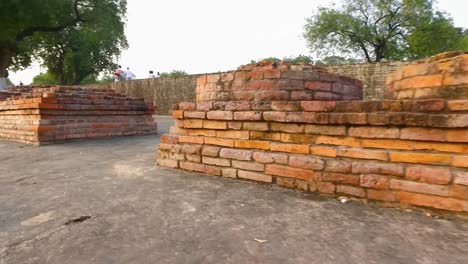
[(441, 76), (396, 151), (284, 82)]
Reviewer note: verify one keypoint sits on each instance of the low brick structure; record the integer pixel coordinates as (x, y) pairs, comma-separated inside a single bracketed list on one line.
[(397, 151), (44, 115)]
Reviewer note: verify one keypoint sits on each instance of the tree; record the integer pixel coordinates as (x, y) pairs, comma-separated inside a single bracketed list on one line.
[(174, 74), (24, 23), (45, 79), (336, 60), (299, 59), (378, 29)]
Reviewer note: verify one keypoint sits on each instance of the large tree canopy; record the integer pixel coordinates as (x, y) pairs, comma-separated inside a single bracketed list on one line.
[(379, 30), (37, 28)]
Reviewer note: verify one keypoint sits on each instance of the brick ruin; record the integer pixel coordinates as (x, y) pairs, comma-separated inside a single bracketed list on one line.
[(301, 127), (45, 115)]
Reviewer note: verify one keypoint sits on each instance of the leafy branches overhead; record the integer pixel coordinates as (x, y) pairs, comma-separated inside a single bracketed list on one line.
[(63, 33), (379, 29)]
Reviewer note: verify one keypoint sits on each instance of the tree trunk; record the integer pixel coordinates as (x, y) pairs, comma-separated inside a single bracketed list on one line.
[(4, 63)]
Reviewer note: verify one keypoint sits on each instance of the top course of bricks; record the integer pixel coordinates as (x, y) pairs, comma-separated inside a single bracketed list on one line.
[(277, 81)]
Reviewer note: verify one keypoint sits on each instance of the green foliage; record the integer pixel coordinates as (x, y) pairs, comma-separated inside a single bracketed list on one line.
[(74, 38), (299, 59), (269, 59), (45, 79), (336, 60), (174, 74), (107, 78), (381, 29)]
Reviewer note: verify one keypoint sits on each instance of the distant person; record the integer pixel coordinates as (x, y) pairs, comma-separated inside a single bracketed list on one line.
[(118, 74), (128, 74), (21, 84), (151, 75), (158, 75)]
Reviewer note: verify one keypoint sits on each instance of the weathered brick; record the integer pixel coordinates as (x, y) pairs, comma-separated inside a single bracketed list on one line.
[(423, 134), (275, 116), (429, 174), (209, 124), (458, 105), (425, 158), (419, 187), (212, 170), (325, 130), (289, 128), (265, 136), (290, 148), (272, 74), (461, 177), (204, 106), (340, 178), (298, 138), (177, 131), (219, 115), (193, 123), (237, 106), (377, 168), (374, 132), (210, 151), (306, 162), (321, 86), (285, 171), (201, 132), (353, 191), (374, 181), (233, 134), (431, 201), (336, 165), (254, 176), (252, 144), (318, 106), (194, 114), (234, 125), (457, 135), (301, 96), (324, 151), (444, 147), (190, 139), (460, 161), (338, 141), (216, 161), (219, 142), (380, 195), (251, 166), (237, 154), (256, 126), (187, 106), (292, 183), (168, 163), (191, 149), (193, 158), (192, 166), (326, 187), (229, 173), (267, 157), (285, 106), (178, 114), (459, 192), (248, 115), (363, 154), (387, 144)]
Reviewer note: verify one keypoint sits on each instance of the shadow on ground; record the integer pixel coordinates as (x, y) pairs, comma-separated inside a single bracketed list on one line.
[(105, 201)]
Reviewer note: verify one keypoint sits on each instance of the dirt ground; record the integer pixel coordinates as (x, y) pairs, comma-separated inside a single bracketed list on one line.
[(105, 201)]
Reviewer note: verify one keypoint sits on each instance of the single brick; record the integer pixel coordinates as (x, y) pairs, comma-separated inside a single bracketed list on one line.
[(458, 105), (353, 191), (418, 187), (374, 167), (265, 136), (325, 130), (193, 123), (298, 138), (212, 170), (374, 132), (248, 115), (460, 161), (285, 106), (169, 139), (338, 141), (236, 154), (192, 166), (458, 135), (201, 132), (336, 165), (193, 158), (374, 181), (289, 128), (267, 157), (326, 187), (216, 161), (459, 192), (194, 114), (424, 134), (190, 139), (251, 166), (425, 158), (219, 115), (461, 177), (254, 176), (256, 126), (324, 151), (187, 106), (191, 149), (431, 201), (380, 195), (285, 171), (387, 144), (363, 154), (233, 134), (290, 148), (429, 174), (340, 178), (292, 183), (306, 162), (219, 142), (235, 125), (229, 173), (168, 163), (178, 114), (210, 151), (209, 124), (252, 144)]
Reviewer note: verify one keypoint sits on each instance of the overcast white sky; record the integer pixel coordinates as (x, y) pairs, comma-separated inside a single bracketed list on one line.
[(217, 35)]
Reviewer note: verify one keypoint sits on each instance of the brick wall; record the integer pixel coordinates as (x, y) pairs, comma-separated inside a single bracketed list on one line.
[(395, 151), (167, 91), (44, 115)]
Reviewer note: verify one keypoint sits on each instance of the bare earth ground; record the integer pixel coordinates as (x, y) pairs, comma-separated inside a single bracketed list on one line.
[(141, 213)]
